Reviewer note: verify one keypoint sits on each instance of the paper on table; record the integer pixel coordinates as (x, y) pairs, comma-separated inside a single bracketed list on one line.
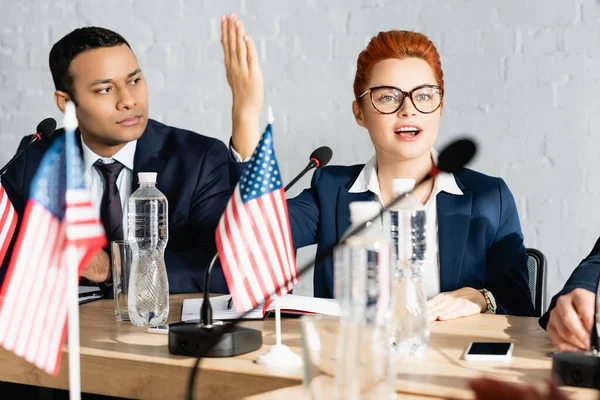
[(295, 304), (289, 303), (89, 290), (191, 310), (87, 299), (89, 293)]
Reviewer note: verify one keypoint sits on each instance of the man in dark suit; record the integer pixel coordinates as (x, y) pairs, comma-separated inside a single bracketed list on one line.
[(96, 69), (570, 317)]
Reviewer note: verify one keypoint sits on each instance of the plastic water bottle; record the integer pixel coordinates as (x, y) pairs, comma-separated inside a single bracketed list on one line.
[(363, 288), (362, 269), (148, 302), (410, 325)]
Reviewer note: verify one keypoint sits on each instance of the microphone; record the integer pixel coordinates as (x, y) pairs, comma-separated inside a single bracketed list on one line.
[(241, 340), (451, 159), (44, 129), (581, 369), (319, 158)]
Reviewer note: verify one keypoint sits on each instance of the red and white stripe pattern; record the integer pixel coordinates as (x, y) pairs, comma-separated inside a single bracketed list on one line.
[(8, 222), (255, 249), (253, 238), (84, 228), (34, 310)]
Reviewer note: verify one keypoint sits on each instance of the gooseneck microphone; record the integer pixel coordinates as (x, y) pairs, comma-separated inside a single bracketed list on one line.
[(44, 129), (319, 158), (189, 339), (452, 159)]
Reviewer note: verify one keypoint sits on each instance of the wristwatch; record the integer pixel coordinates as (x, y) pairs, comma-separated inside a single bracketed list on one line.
[(489, 300)]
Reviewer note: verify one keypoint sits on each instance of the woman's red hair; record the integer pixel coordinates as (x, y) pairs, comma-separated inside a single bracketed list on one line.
[(400, 45)]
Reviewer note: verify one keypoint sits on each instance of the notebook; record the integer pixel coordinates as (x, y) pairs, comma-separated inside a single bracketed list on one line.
[(89, 293), (289, 304)]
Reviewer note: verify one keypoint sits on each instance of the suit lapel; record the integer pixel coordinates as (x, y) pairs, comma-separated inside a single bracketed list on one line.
[(454, 218), (147, 155)]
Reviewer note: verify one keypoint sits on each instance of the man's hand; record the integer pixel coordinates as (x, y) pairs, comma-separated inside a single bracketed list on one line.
[(571, 320), (459, 303), (98, 269), (246, 82)]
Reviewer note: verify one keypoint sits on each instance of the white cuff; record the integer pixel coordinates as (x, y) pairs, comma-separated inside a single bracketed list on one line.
[(236, 156)]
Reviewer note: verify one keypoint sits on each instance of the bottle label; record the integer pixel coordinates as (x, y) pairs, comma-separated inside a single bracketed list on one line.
[(378, 284)]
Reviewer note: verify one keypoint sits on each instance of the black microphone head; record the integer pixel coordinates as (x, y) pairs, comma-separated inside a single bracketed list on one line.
[(46, 127), (321, 156), (456, 155)]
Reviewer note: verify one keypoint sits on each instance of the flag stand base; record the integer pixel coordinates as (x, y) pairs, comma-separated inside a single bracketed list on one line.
[(189, 339), (280, 356)]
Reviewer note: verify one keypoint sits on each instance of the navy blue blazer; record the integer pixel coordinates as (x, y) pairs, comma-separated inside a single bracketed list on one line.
[(193, 173), (585, 276), (479, 233)]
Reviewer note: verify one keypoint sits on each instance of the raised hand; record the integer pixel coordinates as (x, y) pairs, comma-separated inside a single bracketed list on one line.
[(246, 83)]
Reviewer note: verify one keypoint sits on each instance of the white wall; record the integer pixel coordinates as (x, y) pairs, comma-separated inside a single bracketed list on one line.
[(522, 77)]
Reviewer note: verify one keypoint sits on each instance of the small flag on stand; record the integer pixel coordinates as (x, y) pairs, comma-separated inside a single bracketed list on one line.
[(253, 237), (59, 219)]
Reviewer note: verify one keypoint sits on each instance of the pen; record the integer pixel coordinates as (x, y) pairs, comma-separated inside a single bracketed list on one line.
[(595, 334), (229, 303)]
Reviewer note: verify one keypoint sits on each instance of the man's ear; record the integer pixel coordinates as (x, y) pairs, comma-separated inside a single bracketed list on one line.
[(61, 99), (358, 114)]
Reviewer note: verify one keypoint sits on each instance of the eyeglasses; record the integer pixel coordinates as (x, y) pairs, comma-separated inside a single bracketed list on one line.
[(389, 99)]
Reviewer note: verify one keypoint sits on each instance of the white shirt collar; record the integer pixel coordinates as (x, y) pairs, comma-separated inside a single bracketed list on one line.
[(125, 156), (367, 180)]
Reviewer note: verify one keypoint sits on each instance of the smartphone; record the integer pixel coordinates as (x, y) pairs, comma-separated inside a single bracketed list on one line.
[(489, 351), (162, 329)]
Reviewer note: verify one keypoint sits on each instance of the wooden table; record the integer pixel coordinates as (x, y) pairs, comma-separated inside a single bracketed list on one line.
[(119, 359)]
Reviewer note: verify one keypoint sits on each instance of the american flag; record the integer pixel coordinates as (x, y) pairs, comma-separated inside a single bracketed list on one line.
[(8, 222), (253, 236), (58, 216)]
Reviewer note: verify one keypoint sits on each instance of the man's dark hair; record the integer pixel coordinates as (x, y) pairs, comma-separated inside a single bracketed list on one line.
[(74, 43)]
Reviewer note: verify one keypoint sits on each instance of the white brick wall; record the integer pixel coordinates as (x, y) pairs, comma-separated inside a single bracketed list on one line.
[(522, 77)]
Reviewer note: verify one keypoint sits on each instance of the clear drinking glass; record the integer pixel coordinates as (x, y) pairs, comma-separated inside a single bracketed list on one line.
[(122, 255), (346, 360)]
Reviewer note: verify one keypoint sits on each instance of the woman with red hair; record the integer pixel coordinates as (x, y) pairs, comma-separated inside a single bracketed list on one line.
[(476, 259)]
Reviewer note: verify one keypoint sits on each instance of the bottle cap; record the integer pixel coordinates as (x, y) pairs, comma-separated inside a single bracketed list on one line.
[(147, 177), (403, 185)]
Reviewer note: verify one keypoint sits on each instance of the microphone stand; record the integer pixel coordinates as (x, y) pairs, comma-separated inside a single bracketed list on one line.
[(187, 339), (312, 164), (44, 129), (36, 138)]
